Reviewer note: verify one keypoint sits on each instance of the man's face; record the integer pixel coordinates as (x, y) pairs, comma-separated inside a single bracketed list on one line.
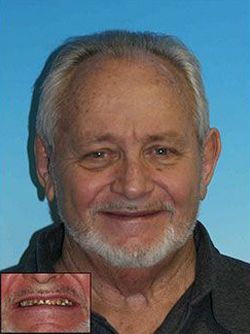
[(126, 166), (45, 303)]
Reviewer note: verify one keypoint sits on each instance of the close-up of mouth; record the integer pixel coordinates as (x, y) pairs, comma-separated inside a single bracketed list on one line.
[(128, 215), (56, 310), (47, 303)]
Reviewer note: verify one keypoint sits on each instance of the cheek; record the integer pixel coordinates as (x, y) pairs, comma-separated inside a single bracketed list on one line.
[(182, 186), (84, 281), (4, 285), (80, 190), (8, 281), (9, 284)]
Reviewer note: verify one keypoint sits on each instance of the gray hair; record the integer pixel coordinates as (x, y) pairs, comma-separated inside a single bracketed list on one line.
[(115, 44)]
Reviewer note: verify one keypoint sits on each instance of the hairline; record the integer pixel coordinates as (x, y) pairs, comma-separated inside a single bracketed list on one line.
[(66, 72)]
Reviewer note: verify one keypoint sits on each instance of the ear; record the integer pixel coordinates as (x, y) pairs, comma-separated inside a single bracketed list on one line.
[(42, 168), (211, 152)]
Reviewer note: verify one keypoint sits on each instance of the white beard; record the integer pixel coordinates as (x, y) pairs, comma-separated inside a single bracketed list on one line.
[(140, 257)]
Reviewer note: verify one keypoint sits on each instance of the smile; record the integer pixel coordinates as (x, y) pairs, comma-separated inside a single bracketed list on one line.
[(127, 215), (45, 302)]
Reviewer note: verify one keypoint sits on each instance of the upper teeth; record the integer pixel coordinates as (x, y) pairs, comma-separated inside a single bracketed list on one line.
[(58, 302)]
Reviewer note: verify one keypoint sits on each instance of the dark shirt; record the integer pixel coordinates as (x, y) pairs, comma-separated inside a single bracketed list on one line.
[(217, 302)]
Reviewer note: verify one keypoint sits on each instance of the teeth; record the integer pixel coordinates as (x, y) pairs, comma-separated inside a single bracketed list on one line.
[(55, 302), (41, 302)]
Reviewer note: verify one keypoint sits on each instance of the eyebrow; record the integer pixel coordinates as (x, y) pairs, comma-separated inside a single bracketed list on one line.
[(170, 136), (95, 139)]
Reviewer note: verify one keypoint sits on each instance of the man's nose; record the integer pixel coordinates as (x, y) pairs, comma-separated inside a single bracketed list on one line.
[(40, 278), (133, 180)]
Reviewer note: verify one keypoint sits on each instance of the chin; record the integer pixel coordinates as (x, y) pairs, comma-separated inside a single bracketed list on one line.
[(130, 254)]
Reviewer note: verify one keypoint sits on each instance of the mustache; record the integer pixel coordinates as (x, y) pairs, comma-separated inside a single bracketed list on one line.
[(122, 205), (22, 293)]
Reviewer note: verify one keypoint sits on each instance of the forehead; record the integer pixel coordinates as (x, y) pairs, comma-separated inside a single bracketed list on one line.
[(97, 75), (113, 92)]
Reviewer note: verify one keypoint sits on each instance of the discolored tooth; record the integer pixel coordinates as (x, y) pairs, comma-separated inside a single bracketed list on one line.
[(26, 303), (68, 302), (41, 302)]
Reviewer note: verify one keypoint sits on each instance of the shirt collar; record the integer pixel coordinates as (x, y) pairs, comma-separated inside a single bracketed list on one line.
[(205, 264), (49, 247)]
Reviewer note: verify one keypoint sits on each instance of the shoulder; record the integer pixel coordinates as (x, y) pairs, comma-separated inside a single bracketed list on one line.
[(231, 274), (235, 270), (44, 246), (231, 293)]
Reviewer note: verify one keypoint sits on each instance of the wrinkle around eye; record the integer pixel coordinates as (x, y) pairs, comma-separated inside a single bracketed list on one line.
[(163, 155), (98, 159), (163, 151)]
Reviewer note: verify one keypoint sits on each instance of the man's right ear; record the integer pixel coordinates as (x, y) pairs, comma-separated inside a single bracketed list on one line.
[(42, 168)]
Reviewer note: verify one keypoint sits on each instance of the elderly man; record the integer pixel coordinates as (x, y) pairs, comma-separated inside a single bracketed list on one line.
[(124, 147)]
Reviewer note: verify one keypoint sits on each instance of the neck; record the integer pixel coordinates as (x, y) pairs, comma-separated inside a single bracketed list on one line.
[(128, 296), (178, 267)]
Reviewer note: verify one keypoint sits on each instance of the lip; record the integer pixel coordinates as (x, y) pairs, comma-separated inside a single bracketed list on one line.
[(125, 225), (131, 214)]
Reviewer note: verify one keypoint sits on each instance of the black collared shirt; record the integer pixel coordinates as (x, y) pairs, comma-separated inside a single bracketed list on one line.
[(217, 302)]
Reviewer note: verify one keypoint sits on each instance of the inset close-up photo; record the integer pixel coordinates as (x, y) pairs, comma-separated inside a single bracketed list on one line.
[(45, 303)]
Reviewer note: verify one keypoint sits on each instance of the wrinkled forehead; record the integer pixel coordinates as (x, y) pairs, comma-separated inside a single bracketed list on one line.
[(99, 70), (99, 81)]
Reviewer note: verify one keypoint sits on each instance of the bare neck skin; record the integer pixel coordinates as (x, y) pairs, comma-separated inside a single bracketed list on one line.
[(126, 297)]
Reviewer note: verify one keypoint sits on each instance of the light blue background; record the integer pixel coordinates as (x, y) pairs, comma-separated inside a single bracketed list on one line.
[(218, 33)]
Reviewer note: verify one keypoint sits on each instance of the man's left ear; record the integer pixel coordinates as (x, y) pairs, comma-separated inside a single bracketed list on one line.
[(211, 152)]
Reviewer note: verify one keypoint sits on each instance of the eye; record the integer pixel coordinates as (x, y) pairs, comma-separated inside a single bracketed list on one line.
[(98, 159), (162, 151), (96, 155), (162, 154)]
